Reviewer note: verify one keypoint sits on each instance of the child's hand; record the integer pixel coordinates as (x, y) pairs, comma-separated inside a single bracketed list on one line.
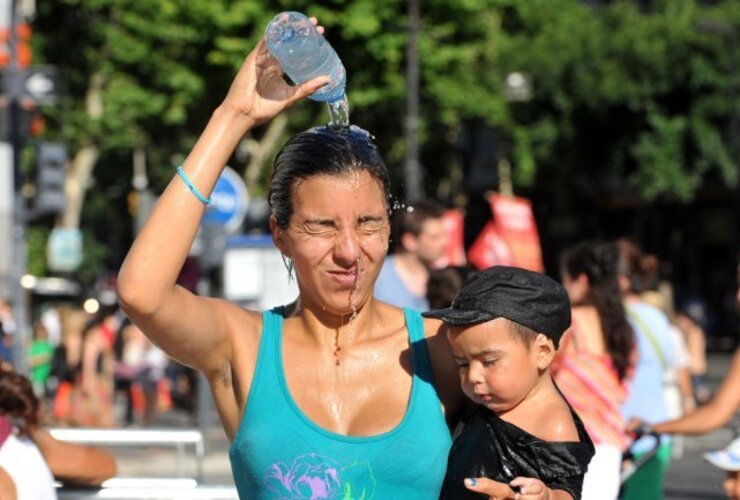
[(494, 489), (530, 488)]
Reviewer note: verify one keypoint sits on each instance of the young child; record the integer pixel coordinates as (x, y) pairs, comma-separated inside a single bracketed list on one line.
[(504, 326)]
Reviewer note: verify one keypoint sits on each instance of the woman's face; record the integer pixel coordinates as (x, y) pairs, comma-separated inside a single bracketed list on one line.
[(337, 238)]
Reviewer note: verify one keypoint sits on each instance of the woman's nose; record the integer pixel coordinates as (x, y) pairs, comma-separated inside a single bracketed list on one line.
[(347, 250)]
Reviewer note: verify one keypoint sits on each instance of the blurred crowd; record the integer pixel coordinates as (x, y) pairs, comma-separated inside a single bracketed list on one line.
[(97, 369)]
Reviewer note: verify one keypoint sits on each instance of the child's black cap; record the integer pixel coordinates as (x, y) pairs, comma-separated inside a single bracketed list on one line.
[(531, 299)]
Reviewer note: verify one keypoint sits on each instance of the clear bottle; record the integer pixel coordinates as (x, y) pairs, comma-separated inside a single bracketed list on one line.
[(304, 53)]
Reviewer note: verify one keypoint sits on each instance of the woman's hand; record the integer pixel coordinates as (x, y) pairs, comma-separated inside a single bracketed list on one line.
[(259, 91)]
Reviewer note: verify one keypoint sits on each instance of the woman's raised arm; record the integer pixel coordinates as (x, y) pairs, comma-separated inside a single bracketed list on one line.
[(192, 329)]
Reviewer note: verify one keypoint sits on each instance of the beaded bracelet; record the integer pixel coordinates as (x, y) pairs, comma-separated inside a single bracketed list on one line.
[(191, 186)]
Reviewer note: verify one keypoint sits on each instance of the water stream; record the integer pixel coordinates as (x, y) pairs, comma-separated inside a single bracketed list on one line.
[(339, 112)]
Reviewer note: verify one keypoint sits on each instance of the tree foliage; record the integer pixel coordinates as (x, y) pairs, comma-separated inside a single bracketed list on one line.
[(625, 96)]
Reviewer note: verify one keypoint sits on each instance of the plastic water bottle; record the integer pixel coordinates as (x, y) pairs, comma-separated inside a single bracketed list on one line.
[(304, 53)]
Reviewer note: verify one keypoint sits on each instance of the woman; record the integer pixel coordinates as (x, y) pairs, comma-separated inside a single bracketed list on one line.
[(336, 393), (30, 458), (595, 359), (656, 361)]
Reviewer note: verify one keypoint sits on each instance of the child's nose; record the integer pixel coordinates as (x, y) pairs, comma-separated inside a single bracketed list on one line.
[(475, 373)]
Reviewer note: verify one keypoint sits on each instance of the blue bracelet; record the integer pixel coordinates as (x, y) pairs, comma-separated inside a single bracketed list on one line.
[(192, 187)]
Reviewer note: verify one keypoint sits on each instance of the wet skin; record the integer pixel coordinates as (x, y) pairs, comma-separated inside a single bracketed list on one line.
[(337, 238)]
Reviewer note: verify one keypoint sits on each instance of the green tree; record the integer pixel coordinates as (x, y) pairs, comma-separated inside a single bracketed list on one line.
[(621, 95)]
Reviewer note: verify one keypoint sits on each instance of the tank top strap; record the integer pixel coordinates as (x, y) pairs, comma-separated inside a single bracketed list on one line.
[(417, 340), (272, 328), (265, 381)]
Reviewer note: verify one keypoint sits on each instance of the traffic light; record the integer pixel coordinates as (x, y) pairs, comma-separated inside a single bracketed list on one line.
[(51, 165)]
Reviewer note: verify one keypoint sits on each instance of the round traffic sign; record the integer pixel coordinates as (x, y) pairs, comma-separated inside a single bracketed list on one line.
[(229, 202)]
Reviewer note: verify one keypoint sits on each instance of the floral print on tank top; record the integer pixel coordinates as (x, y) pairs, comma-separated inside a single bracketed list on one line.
[(316, 477)]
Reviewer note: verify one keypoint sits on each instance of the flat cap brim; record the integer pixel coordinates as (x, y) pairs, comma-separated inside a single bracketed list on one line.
[(458, 317)]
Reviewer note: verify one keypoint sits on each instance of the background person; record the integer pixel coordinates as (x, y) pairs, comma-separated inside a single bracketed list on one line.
[(419, 240), (655, 350), (30, 456), (595, 359), (691, 320), (711, 416), (444, 284), (40, 354)]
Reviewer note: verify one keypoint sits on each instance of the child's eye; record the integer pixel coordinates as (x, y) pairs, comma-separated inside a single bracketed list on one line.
[(462, 366), (489, 362)]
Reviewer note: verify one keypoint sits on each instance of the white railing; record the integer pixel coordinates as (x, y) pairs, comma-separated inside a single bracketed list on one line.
[(136, 488), (178, 439)]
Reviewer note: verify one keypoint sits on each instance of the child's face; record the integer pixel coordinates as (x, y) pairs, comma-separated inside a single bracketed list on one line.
[(497, 369)]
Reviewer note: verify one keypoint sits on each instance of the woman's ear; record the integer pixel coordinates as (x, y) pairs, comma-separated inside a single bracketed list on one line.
[(544, 350), (277, 235)]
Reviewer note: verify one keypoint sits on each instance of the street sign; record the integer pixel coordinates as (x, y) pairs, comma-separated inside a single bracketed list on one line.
[(64, 249), (41, 83), (230, 202)]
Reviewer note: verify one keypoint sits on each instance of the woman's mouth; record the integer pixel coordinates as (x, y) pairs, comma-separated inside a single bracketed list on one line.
[(346, 278)]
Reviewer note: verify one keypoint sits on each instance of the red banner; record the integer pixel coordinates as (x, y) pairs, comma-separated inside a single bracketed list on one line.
[(453, 220), (511, 238)]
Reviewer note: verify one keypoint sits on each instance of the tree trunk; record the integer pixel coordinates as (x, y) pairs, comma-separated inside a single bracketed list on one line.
[(260, 150), (82, 165)]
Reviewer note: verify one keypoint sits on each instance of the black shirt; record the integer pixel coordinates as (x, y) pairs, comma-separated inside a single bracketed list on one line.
[(491, 447)]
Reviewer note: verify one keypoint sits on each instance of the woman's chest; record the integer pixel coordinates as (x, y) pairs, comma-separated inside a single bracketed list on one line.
[(364, 395)]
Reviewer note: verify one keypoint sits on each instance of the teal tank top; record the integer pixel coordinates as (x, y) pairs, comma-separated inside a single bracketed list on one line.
[(278, 453)]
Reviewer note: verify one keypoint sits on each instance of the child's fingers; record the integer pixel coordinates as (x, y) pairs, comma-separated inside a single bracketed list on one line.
[(528, 486), (494, 489)]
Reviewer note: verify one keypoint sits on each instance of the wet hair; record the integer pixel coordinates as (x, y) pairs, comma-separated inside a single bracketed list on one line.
[(599, 262), (17, 400), (330, 150), (411, 219)]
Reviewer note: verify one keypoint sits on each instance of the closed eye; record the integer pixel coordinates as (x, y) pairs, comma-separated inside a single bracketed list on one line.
[(461, 363)]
